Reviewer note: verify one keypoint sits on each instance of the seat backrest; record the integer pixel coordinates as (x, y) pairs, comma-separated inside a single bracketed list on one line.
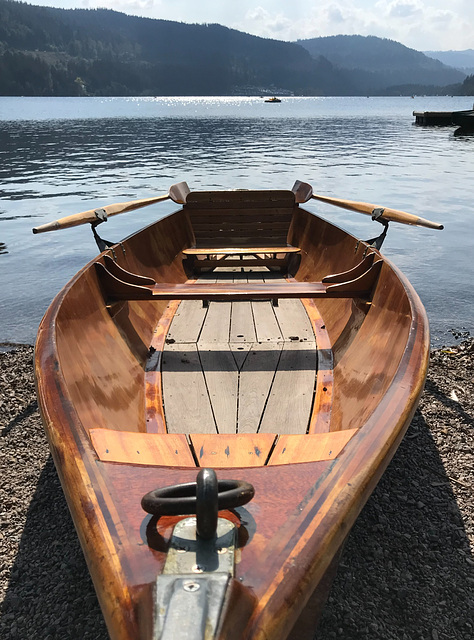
[(240, 218)]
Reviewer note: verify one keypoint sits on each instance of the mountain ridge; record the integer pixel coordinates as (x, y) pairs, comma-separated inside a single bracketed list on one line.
[(51, 51)]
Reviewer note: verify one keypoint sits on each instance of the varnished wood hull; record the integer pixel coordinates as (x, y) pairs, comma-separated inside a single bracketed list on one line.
[(91, 371)]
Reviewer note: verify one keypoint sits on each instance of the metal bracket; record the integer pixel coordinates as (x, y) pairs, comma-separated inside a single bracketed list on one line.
[(378, 241), (101, 216), (191, 590)]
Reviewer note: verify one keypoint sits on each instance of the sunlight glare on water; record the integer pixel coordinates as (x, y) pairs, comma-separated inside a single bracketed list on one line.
[(64, 155)]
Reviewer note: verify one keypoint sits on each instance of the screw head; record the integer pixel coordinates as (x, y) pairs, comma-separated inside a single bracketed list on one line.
[(191, 586)]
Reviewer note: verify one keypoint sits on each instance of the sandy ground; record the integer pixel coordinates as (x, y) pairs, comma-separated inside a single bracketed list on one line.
[(407, 571)]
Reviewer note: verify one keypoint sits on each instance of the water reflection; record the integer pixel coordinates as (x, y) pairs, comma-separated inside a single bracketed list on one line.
[(50, 168)]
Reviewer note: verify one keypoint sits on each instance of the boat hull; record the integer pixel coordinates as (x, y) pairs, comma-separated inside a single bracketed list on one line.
[(91, 361)]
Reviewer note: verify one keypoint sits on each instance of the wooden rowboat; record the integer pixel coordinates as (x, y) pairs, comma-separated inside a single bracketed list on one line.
[(245, 335)]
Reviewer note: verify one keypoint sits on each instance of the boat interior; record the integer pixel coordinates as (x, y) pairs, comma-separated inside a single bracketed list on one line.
[(237, 331)]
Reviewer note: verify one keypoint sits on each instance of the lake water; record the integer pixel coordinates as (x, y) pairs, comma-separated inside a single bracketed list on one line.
[(64, 155)]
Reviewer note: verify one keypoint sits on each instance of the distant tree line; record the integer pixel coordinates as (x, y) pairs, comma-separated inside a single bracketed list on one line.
[(57, 52)]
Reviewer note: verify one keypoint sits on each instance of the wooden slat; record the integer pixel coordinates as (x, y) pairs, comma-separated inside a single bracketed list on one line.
[(256, 378), (289, 405), (310, 448), (214, 215), (266, 324), (187, 322), (202, 226), (323, 397), (155, 418), (250, 450), (240, 250), (216, 325), (222, 380), (240, 199), (242, 328), (267, 262), (293, 320), (240, 240), (186, 400), (156, 449)]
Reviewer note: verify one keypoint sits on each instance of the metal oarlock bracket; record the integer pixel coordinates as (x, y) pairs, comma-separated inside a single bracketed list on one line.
[(377, 242), (101, 216)]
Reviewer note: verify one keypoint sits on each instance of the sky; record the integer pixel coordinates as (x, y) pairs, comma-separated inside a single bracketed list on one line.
[(424, 25)]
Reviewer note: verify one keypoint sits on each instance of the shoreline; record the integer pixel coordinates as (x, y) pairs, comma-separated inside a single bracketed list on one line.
[(407, 570)]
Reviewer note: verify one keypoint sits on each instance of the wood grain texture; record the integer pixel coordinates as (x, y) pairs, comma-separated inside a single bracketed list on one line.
[(162, 449), (222, 381), (320, 420), (90, 369), (216, 327), (237, 450), (187, 322), (310, 448), (154, 414), (293, 321), (234, 251), (289, 404), (242, 326), (266, 325), (256, 379), (186, 399)]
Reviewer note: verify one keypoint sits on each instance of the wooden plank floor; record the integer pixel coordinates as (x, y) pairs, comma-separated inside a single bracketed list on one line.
[(239, 367)]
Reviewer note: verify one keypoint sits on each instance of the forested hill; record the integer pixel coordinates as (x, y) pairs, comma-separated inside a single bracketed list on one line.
[(379, 62), (47, 51)]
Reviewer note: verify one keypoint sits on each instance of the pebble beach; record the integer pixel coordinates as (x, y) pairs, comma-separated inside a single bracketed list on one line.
[(407, 571)]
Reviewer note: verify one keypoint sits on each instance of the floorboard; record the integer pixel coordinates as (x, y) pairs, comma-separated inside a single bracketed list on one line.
[(185, 395), (239, 367), (291, 398)]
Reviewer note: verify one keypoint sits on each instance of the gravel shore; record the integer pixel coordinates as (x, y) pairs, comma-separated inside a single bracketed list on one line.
[(407, 571)]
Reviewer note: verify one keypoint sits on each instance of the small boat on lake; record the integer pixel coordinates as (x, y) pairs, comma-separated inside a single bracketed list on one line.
[(274, 99), (222, 391)]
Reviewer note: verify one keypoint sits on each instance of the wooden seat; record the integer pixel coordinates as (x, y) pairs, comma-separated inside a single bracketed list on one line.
[(285, 258), (122, 285), (241, 251), (231, 226)]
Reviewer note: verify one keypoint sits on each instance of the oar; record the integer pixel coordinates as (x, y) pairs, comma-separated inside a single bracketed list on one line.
[(177, 193), (303, 192)]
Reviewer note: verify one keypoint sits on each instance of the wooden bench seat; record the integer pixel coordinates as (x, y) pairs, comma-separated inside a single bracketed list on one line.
[(286, 258), (239, 251), (119, 284), (231, 226)]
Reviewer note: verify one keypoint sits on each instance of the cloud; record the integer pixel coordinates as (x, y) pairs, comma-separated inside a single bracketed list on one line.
[(268, 24), (404, 9)]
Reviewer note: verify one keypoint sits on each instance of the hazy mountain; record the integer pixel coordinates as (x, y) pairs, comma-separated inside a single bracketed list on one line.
[(48, 51), (376, 64), (461, 60)]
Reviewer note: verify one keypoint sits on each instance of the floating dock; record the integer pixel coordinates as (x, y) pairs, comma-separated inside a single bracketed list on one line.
[(438, 118)]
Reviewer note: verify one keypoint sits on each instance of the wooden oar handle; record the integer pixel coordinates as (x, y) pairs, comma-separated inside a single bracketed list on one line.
[(386, 213), (93, 215), (177, 193)]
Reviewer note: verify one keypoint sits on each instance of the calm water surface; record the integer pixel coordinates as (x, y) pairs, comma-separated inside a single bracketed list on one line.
[(64, 155)]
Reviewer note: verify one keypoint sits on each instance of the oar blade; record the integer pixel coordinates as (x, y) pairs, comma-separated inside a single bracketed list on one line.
[(179, 192), (303, 191)]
